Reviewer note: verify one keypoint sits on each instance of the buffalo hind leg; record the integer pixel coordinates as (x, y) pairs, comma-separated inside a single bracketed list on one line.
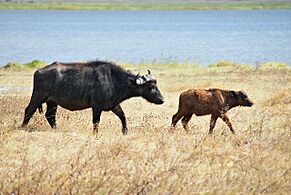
[(227, 121), (119, 112), (185, 121), (35, 102), (176, 118), (96, 120), (213, 120), (51, 114)]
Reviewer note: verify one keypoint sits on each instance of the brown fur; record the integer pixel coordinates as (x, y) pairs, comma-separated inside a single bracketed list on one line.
[(209, 101)]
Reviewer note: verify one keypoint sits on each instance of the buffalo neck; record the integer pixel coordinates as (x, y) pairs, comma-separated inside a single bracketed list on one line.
[(128, 91), (124, 89)]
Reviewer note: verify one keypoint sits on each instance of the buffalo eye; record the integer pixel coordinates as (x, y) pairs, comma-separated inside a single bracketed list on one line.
[(152, 87), (153, 90), (152, 84)]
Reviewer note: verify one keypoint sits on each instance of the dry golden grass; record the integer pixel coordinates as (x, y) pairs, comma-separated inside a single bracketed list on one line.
[(152, 159)]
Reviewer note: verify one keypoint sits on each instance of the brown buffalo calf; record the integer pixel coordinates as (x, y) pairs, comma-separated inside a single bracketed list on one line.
[(212, 101)]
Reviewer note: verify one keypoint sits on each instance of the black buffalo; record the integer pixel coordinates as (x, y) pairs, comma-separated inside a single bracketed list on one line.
[(99, 85)]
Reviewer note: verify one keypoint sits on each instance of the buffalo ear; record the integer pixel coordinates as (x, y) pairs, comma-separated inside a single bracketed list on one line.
[(233, 93), (131, 81)]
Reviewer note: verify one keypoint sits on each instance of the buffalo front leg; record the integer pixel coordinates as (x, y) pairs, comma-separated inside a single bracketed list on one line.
[(212, 123), (51, 114), (29, 111), (227, 121), (96, 120), (119, 112), (35, 102)]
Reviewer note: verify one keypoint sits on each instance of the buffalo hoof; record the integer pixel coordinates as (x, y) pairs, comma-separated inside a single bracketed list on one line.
[(97, 136), (23, 125), (124, 131)]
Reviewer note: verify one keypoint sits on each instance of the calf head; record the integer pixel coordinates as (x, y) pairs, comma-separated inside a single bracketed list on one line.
[(241, 98), (147, 87)]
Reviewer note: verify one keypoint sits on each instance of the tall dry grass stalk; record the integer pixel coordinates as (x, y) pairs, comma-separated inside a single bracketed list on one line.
[(152, 159)]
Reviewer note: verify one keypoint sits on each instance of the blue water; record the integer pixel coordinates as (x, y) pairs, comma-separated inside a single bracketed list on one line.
[(203, 37)]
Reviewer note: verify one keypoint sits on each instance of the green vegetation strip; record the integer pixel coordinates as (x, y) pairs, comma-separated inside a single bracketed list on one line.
[(193, 6), (33, 64), (224, 64)]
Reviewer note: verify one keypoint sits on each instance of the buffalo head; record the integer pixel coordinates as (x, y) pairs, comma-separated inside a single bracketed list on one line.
[(147, 87)]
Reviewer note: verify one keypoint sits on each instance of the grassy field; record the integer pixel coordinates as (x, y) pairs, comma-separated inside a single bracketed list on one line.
[(190, 6), (152, 158)]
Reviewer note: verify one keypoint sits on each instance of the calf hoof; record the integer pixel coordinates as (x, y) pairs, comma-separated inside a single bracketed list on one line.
[(186, 128)]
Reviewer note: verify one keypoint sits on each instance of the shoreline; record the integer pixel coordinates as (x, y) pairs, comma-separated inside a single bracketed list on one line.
[(190, 6), (161, 64)]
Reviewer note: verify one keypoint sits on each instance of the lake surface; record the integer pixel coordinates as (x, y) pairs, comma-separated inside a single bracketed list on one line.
[(204, 37)]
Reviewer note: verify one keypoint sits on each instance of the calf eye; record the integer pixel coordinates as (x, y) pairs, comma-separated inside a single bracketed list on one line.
[(244, 95)]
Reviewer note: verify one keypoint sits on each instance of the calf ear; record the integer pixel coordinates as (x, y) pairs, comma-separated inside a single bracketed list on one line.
[(242, 94), (233, 93)]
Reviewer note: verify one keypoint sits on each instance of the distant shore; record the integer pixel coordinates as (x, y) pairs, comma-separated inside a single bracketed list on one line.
[(226, 64), (191, 6)]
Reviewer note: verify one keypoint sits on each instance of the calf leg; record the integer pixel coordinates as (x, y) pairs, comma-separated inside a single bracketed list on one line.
[(51, 114), (176, 118), (227, 121), (119, 112), (96, 119), (35, 102), (185, 121), (212, 122)]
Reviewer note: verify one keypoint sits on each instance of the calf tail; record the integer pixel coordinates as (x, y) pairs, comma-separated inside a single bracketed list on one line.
[(40, 109)]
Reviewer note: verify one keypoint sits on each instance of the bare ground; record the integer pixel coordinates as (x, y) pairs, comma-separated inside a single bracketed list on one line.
[(152, 158)]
